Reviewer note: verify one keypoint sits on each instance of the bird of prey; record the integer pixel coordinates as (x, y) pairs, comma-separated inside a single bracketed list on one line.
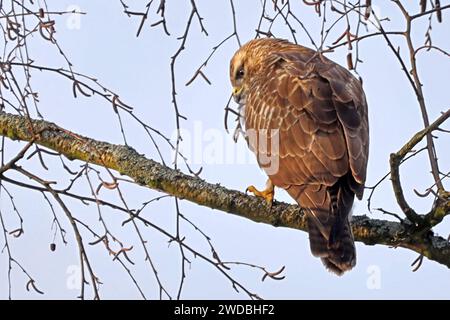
[(316, 113)]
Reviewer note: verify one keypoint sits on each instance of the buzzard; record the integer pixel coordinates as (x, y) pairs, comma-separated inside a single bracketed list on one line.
[(316, 113)]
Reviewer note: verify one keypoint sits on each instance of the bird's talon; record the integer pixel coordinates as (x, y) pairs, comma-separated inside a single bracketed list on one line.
[(267, 193), (252, 189)]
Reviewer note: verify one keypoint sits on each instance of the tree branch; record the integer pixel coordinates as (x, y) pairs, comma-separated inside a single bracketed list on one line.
[(154, 175)]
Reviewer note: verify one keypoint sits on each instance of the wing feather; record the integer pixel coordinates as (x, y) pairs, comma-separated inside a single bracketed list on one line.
[(332, 101)]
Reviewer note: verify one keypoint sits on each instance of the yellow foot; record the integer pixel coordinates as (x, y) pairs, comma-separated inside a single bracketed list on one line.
[(268, 193)]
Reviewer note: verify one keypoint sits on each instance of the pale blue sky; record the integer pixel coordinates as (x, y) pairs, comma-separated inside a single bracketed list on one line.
[(105, 47)]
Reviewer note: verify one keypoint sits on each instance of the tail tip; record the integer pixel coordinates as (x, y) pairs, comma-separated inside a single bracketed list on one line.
[(338, 267)]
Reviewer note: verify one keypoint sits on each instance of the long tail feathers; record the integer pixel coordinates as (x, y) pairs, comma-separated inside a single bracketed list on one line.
[(328, 213)]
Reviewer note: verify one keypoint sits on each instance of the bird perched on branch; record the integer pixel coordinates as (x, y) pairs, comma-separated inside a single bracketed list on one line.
[(305, 118)]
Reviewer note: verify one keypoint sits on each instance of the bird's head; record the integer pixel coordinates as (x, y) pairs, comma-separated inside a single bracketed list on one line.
[(247, 62), (239, 74)]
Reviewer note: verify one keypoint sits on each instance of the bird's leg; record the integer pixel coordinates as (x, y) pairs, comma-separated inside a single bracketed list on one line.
[(268, 193)]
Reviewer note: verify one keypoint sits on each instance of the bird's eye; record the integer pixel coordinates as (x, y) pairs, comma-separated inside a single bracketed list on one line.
[(240, 73)]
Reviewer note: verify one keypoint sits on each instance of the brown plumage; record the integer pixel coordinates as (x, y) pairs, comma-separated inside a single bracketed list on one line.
[(320, 113)]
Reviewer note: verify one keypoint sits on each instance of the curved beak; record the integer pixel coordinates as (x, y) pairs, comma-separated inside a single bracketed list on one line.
[(237, 94)]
